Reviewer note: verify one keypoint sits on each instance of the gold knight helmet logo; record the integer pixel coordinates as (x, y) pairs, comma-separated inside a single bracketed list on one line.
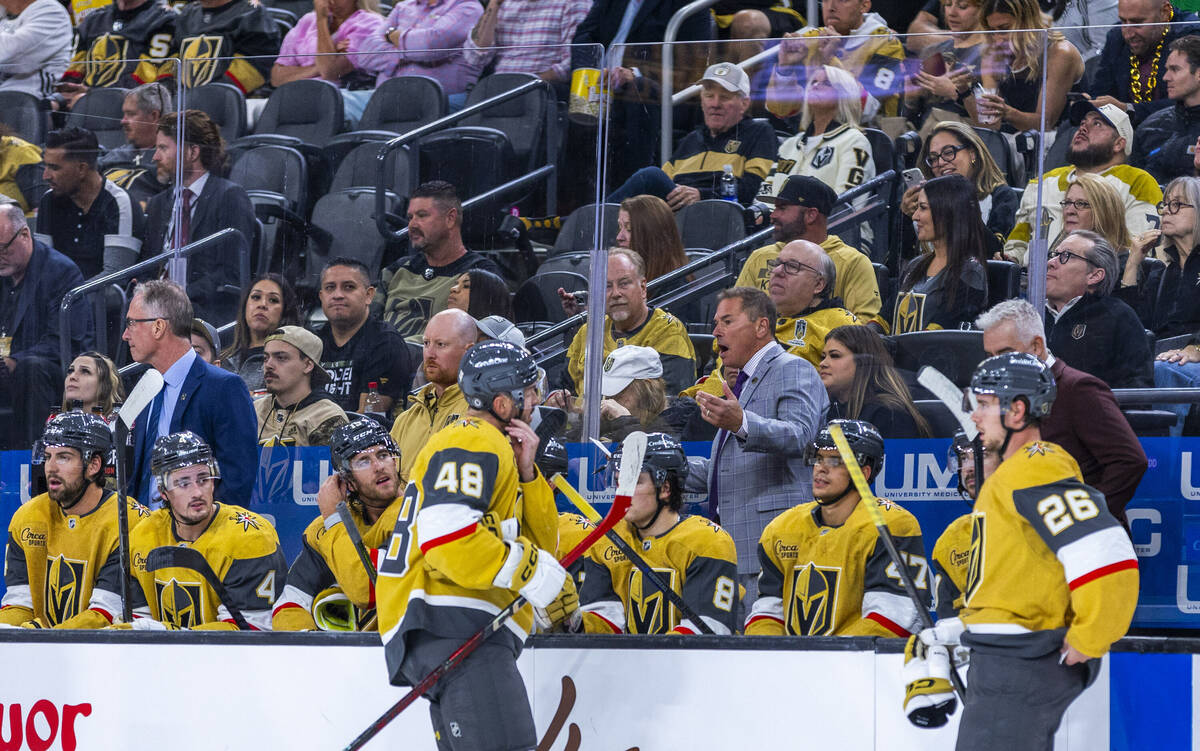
[(910, 312), (106, 60), (64, 585), (200, 58), (812, 608), (975, 560), (180, 603), (647, 604)]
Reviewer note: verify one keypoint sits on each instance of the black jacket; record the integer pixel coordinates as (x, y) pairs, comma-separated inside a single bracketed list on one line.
[(1103, 336), (1111, 74), (35, 325), (1170, 302), (1160, 145)]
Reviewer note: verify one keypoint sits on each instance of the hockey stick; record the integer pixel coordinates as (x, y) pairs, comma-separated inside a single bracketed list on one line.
[(950, 395), (868, 499), (343, 511), (591, 514), (634, 449), (173, 556), (139, 398)]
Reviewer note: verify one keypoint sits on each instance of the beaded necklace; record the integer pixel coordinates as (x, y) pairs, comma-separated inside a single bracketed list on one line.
[(1135, 73)]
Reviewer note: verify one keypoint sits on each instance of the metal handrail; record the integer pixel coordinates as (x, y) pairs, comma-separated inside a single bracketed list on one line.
[(124, 275), (682, 96), (381, 174), (1157, 396), (668, 67)]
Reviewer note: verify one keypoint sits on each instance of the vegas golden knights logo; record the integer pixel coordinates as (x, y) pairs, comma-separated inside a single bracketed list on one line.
[(975, 561), (647, 605), (106, 60), (64, 588), (812, 611), (910, 312), (180, 603), (200, 59)]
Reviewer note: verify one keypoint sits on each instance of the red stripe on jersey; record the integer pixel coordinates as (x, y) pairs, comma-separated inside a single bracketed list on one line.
[(236, 82), (285, 606), (459, 534), (889, 624), (248, 623), (613, 626), (684, 630), (763, 618), (1112, 568), (104, 613)]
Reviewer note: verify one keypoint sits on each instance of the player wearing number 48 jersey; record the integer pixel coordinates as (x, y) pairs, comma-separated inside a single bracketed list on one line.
[(825, 569)]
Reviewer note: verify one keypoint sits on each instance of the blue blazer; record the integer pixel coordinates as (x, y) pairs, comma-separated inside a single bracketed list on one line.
[(215, 405)]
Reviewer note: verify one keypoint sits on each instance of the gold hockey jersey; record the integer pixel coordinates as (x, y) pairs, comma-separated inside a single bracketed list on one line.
[(63, 569), (950, 556), (243, 550), (662, 332), (818, 580), (695, 558), (1046, 556), (855, 281), (464, 500)]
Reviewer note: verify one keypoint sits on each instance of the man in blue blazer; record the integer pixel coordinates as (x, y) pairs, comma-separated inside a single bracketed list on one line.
[(210, 402)]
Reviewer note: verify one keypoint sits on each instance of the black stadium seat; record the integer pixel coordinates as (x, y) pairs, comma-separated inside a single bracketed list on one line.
[(474, 160), (711, 224), (403, 104), (23, 113), (522, 119), (1004, 281), (953, 352), (99, 110), (359, 170), (275, 169), (537, 299), (343, 224), (579, 230), (310, 109), (224, 103)]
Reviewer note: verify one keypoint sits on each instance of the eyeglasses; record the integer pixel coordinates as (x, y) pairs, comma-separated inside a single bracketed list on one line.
[(1078, 203), (791, 268), (365, 461), (1063, 256), (829, 462), (1173, 207), (130, 321), (4, 248), (947, 155), (185, 483)]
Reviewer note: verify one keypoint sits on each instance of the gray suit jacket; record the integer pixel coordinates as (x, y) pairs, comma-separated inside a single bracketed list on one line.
[(764, 474)]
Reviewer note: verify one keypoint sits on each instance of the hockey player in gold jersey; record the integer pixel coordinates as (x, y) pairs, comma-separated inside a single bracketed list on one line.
[(952, 550), (477, 528), (240, 546), (62, 567), (825, 570), (367, 477), (692, 556), (1052, 578)]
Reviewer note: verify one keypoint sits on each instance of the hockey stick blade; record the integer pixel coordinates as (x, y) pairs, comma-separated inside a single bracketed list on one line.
[(948, 394), (633, 451), (343, 511), (143, 393), (872, 504), (615, 514), (174, 556), (591, 514)]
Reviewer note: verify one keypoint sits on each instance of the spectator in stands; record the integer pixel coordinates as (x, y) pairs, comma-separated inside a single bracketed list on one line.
[(1129, 73), (269, 304), (1090, 329), (33, 280), (1093, 204), (1172, 307), (228, 41), (439, 402), (360, 349), (35, 48), (754, 19), (210, 204), (326, 42), (949, 63), (122, 44), (420, 284), (629, 320), (20, 170), (1012, 67), (481, 293), (830, 145), (946, 286), (727, 137), (296, 411), (533, 37), (634, 395), (863, 384), (1165, 144), (801, 212), (1100, 146), (953, 148), (423, 38), (84, 213), (853, 39), (1084, 24), (131, 165), (196, 396), (1084, 419), (646, 226), (206, 342), (93, 381)]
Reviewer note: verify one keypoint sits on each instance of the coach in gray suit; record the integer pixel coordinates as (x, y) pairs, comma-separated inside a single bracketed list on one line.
[(773, 411)]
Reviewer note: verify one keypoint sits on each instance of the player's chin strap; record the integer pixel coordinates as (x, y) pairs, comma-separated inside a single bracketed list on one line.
[(1008, 434), (844, 493)]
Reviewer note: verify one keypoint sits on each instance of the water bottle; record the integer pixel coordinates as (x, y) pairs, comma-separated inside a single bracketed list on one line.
[(373, 404), (728, 188)]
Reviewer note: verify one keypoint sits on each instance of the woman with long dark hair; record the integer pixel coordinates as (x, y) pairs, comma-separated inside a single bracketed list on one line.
[(863, 384), (481, 294), (646, 225), (945, 286), (268, 304)]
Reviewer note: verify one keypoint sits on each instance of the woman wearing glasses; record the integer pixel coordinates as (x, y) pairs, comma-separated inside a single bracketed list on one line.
[(953, 148), (945, 287)]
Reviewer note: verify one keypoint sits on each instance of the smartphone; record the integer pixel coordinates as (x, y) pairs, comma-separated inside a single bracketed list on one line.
[(935, 64), (913, 177)]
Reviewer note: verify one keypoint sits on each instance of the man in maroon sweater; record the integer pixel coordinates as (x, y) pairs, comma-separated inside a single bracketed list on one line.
[(1085, 419)]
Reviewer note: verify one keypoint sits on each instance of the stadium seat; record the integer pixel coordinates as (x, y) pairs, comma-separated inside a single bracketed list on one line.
[(403, 104), (99, 110), (703, 345), (284, 19), (941, 422), (343, 224), (1004, 281), (710, 224), (310, 109), (954, 352), (1172, 342), (1056, 155), (359, 170), (883, 279), (574, 262), (23, 113), (1005, 155), (224, 104), (579, 229), (537, 299), (1150, 422), (274, 169), (474, 160), (522, 120)]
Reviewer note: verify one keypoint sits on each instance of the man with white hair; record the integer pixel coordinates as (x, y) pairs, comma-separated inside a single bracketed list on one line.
[(1084, 419)]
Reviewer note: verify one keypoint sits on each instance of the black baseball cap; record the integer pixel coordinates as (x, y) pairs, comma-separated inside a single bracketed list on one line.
[(808, 191)]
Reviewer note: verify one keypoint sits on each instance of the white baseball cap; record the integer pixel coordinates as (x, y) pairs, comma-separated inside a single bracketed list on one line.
[(1109, 113), (627, 364), (729, 76)]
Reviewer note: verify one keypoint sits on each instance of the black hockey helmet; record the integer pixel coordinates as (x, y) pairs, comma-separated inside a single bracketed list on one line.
[(85, 432), (552, 457), (353, 438), (179, 450), (664, 460), (960, 452), (1016, 375), (865, 441), (496, 367)]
